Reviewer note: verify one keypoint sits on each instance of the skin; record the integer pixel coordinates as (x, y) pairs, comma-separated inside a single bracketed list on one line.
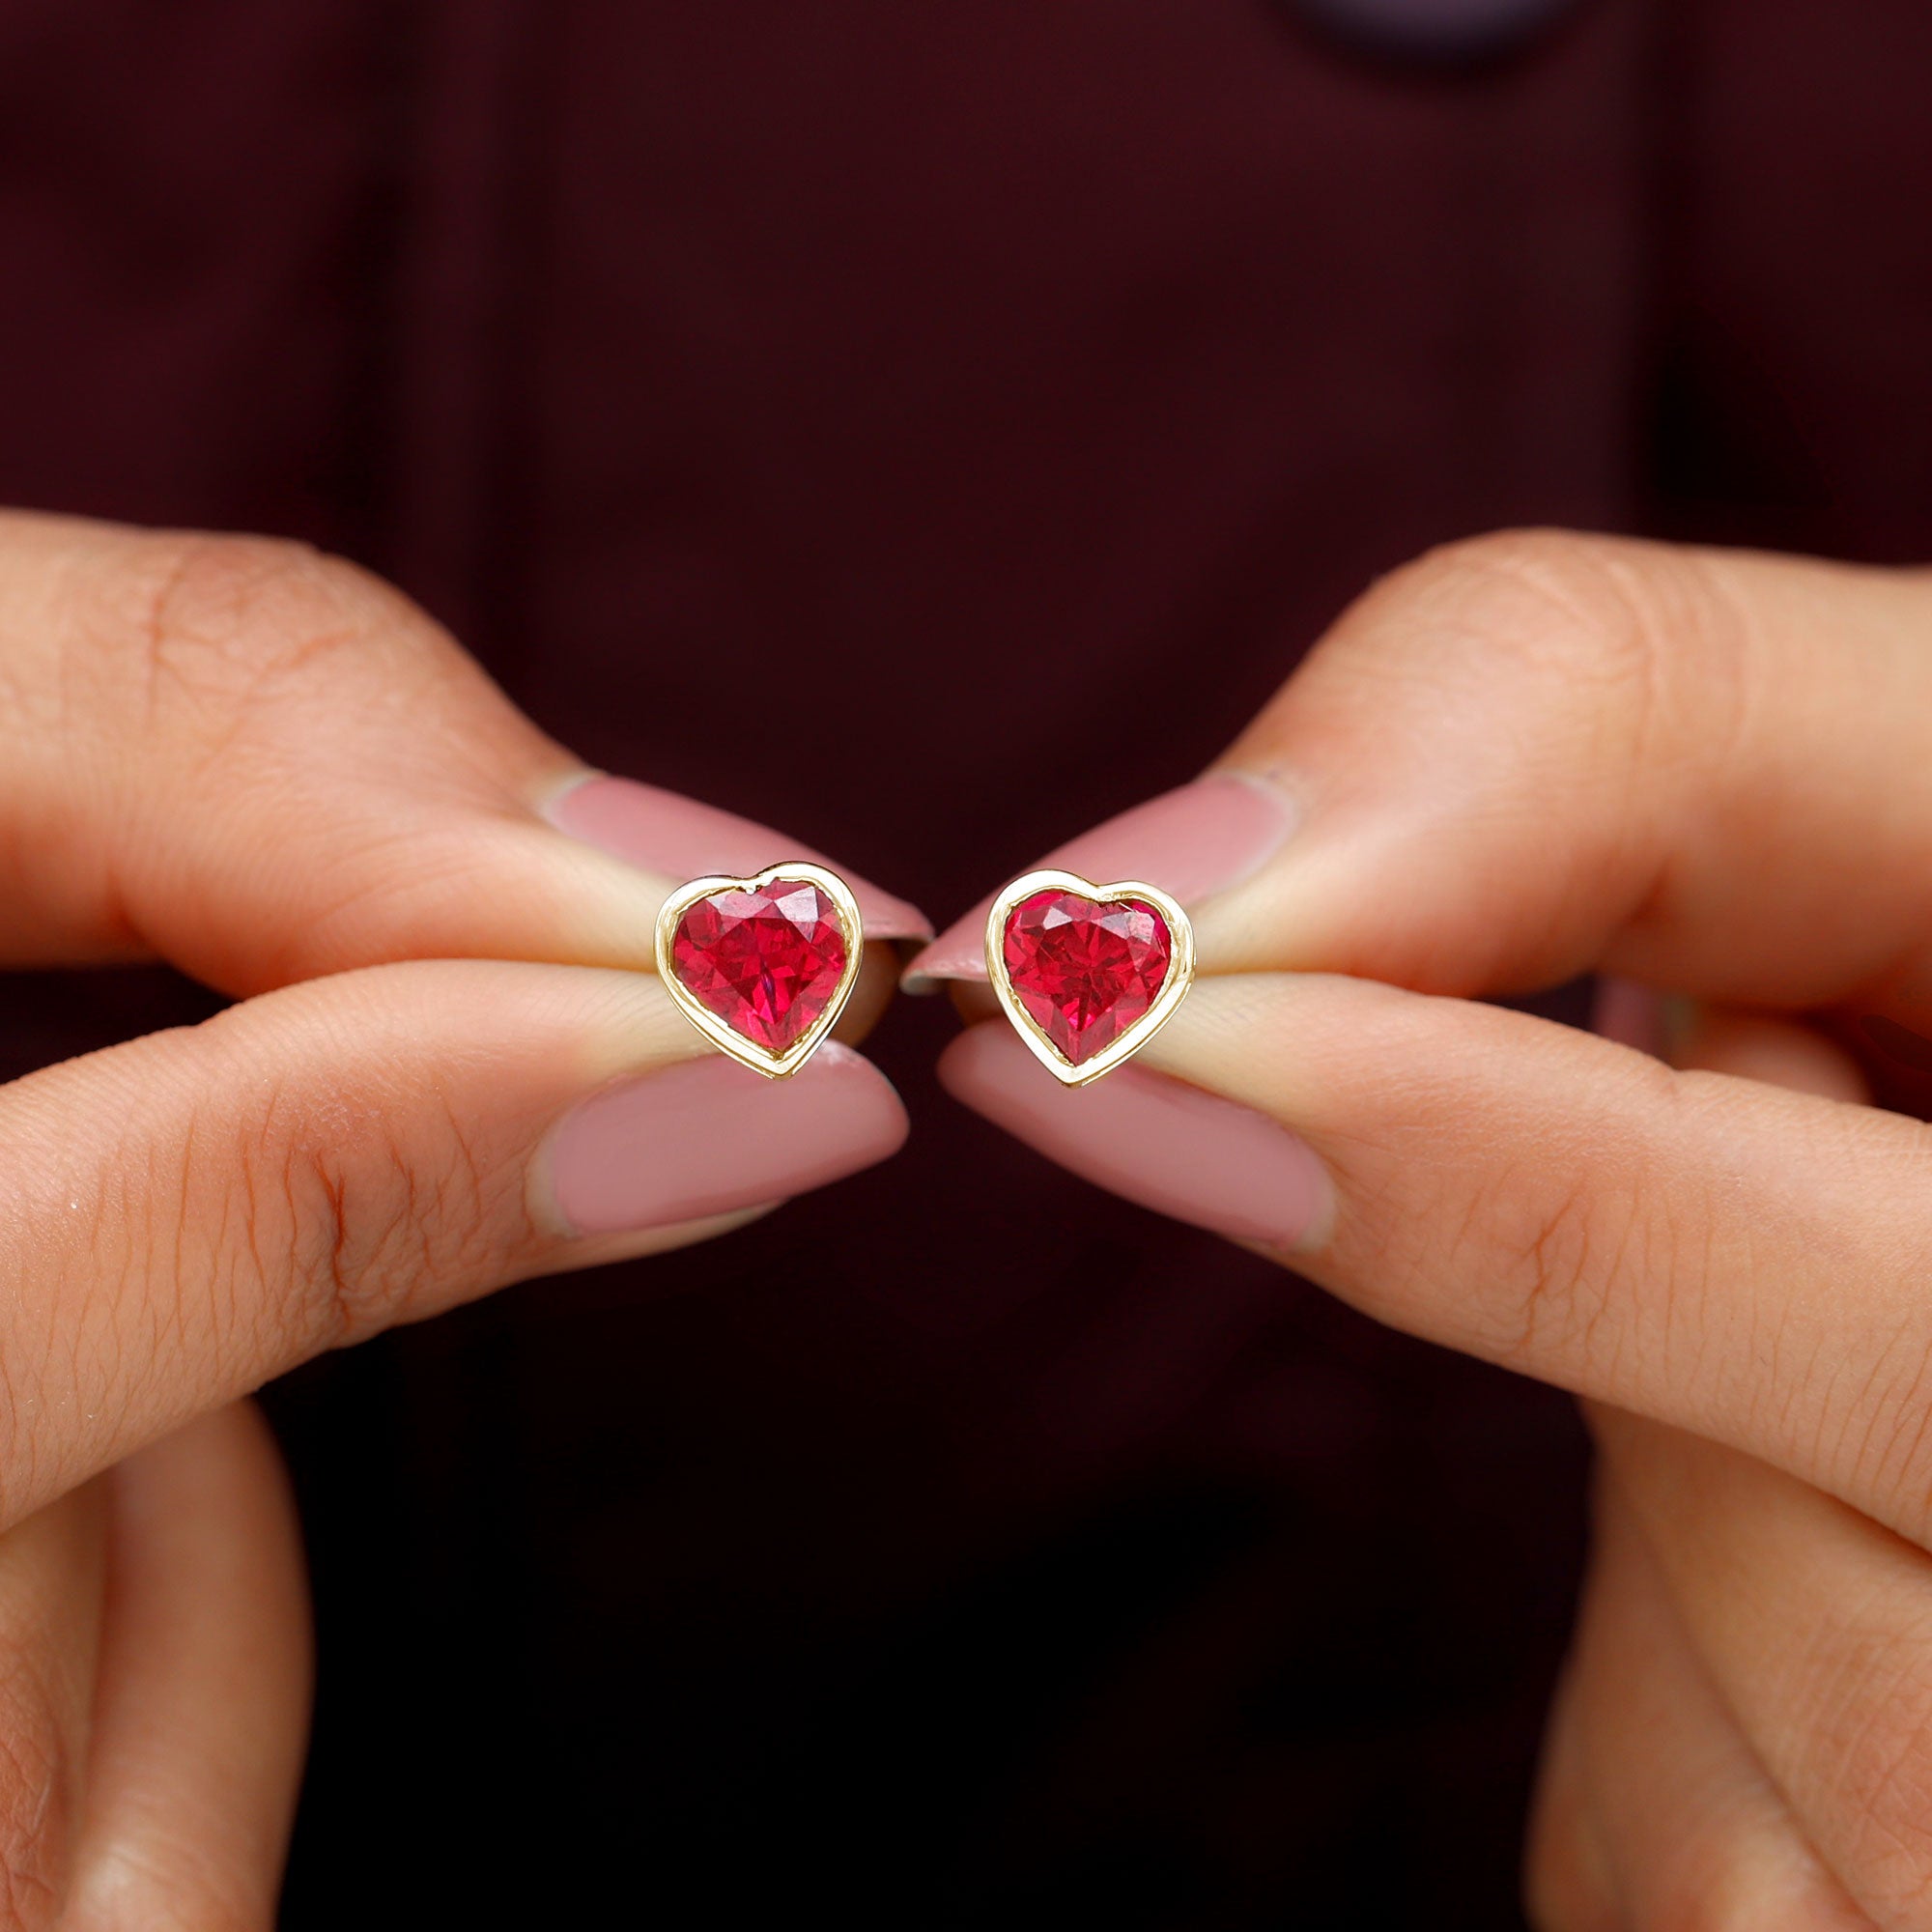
[(1518, 759), (1534, 756), (269, 769)]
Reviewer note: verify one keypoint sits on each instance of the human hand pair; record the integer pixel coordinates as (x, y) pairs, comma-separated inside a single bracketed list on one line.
[(449, 1069)]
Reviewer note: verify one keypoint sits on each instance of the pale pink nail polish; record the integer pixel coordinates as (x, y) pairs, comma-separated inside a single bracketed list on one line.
[(1194, 841), (677, 837), (1159, 1142), (707, 1136)]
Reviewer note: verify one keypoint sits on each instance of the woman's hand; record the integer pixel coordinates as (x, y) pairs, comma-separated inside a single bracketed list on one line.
[(154, 1701), (449, 1069), (1694, 1692), (1518, 760)]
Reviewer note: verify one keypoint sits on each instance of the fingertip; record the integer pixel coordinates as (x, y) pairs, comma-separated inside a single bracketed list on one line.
[(1153, 1140), (1776, 1052), (1696, 1036), (959, 953), (871, 994), (1194, 841), (974, 1001)]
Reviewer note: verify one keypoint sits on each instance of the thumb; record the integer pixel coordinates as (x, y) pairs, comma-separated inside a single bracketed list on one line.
[(1536, 753), (265, 765)]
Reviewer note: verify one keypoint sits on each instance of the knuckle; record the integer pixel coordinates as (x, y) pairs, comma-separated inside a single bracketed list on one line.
[(1562, 1246), (1550, 1239), (1597, 1266), (232, 626), (1585, 1264), (351, 1222), (1582, 602), (1522, 589), (270, 1216), (1610, 637)]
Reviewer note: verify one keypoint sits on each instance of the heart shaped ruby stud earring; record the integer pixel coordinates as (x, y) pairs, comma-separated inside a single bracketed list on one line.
[(762, 967), (1087, 973)]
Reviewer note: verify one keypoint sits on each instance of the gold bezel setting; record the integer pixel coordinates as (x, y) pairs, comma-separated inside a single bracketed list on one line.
[(1173, 988), (718, 1031)]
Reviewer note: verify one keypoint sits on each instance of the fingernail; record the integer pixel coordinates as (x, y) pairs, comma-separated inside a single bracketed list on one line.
[(1170, 1147), (1194, 841), (707, 1136), (665, 832)]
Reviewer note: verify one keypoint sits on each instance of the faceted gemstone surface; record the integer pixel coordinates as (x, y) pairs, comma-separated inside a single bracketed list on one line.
[(1085, 970), (766, 962)]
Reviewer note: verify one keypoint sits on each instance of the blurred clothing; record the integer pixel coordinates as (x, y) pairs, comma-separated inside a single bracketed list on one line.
[(1009, 384)]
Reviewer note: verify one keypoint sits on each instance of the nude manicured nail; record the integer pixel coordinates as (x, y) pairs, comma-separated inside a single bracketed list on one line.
[(708, 1136), (1192, 842), (677, 837), (1176, 1149)]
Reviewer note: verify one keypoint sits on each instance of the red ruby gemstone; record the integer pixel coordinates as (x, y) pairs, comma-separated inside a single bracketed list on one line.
[(1085, 970), (767, 962)]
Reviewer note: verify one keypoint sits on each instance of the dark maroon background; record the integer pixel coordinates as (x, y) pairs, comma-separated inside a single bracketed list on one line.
[(1005, 394)]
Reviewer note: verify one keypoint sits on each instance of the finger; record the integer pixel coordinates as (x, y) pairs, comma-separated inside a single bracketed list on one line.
[(201, 1710), (1811, 1617), (1812, 1623), (1568, 1883), (51, 1570), (263, 765), (1691, 1828), (1778, 1052), (191, 1214), (1719, 1040), (1842, 1057), (1743, 1261), (1534, 754)]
